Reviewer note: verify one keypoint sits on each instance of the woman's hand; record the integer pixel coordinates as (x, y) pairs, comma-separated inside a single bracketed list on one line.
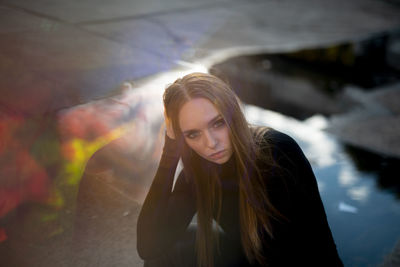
[(168, 126)]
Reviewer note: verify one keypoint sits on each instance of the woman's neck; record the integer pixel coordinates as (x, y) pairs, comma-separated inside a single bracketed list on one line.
[(227, 170)]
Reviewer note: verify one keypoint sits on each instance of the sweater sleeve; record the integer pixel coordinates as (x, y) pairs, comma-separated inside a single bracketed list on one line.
[(165, 215), (309, 236)]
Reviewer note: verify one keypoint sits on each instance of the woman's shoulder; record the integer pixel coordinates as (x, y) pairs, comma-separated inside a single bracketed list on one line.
[(288, 157), (272, 137), (281, 147)]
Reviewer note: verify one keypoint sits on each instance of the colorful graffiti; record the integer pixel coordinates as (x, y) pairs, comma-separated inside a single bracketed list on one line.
[(43, 159)]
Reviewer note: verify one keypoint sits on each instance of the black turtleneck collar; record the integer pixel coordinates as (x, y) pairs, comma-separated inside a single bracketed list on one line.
[(227, 170)]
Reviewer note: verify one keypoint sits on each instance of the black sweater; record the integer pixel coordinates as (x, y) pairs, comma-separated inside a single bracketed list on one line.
[(304, 240)]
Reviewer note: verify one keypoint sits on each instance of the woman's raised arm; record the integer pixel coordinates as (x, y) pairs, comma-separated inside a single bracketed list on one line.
[(165, 215)]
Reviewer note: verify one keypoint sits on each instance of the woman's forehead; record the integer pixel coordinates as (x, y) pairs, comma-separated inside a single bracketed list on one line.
[(197, 113)]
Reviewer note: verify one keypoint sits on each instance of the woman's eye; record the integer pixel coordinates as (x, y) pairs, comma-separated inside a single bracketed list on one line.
[(192, 135), (219, 123)]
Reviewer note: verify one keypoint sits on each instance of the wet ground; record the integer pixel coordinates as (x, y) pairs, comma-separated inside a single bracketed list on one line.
[(79, 146)]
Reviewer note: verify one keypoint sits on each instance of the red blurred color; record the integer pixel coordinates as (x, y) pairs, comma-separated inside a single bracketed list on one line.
[(3, 235)]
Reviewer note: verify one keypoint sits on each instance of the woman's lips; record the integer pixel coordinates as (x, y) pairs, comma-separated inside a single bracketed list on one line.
[(217, 155)]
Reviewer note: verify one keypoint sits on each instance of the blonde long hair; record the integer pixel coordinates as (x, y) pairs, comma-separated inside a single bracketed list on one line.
[(255, 209)]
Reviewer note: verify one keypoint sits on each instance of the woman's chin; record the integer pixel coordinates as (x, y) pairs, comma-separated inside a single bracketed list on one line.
[(221, 160)]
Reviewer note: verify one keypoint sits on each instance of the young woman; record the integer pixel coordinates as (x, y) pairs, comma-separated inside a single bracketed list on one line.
[(254, 192)]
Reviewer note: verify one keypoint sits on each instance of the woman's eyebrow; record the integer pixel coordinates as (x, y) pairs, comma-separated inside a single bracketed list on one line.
[(209, 123)]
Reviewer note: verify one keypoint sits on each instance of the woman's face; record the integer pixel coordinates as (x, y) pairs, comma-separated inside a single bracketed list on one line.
[(205, 131)]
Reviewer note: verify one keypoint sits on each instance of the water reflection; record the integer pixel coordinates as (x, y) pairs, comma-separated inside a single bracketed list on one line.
[(385, 168), (364, 219)]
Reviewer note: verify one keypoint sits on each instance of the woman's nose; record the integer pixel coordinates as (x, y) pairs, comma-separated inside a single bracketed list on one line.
[(211, 141)]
